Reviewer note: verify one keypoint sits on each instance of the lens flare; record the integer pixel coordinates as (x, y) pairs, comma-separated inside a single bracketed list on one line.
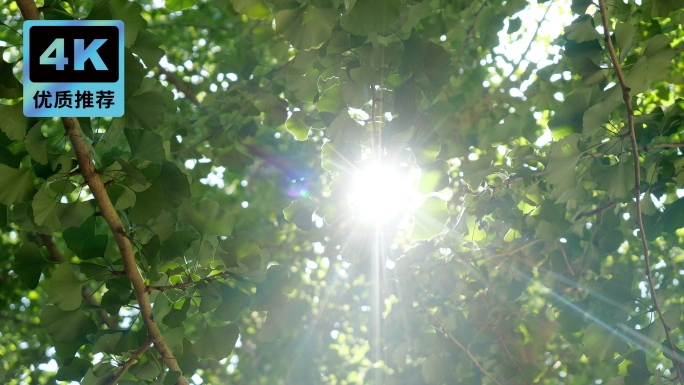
[(379, 194)]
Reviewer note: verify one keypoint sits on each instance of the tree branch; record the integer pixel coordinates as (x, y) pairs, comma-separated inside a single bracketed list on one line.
[(136, 357), (637, 178), (507, 253), (97, 188), (28, 9), (190, 282), (441, 327), (180, 85)]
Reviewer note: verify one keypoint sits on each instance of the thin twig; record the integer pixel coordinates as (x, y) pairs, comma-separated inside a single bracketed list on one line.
[(136, 357), (507, 253), (637, 179), (190, 282), (455, 341)]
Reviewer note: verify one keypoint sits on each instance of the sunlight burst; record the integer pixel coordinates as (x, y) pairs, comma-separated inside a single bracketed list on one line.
[(379, 194)]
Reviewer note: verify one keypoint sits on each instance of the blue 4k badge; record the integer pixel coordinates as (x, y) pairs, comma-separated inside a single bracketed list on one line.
[(73, 68)]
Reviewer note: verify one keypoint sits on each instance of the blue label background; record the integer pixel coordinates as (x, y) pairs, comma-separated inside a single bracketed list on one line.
[(31, 88)]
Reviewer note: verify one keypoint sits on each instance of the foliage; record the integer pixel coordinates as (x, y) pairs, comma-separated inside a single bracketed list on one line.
[(228, 181)]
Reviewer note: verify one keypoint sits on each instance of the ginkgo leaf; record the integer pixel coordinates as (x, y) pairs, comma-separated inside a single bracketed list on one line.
[(29, 264), (66, 325), (429, 219), (217, 342), (13, 122), (601, 342), (206, 217), (146, 46), (64, 289), (371, 16), (35, 144), (45, 210), (306, 27), (617, 180), (563, 158), (252, 8), (15, 185)]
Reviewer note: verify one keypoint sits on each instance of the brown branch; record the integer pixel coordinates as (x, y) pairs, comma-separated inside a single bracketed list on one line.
[(57, 256), (136, 357), (180, 85), (599, 210), (471, 31), (86, 165), (441, 327), (28, 9), (507, 253), (637, 179), (97, 188), (189, 282), (20, 321)]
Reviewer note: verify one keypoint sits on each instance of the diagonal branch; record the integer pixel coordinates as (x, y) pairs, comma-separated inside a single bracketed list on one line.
[(136, 357), (441, 327), (97, 188), (91, 177), (637, 179)]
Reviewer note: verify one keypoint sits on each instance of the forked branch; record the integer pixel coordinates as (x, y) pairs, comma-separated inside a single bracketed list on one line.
[(97, 188), (637, 179)]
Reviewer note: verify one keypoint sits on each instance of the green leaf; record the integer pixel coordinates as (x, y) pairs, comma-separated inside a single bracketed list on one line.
[(295, 124), (272, 292), (283, 321), (121, 196), (64, 289), (45, 210), (176, 317), (217, 342), (369, 16), (514, 25), (145, 145), (331, 101), (433, 177), (145, 110), (13, 122), (569, 117), (600, 342), (131, 170), (563, 158), (35, 144), (74, 237), (299, 215), (15, 185), (430, 219), (177, 245), (598, 115), (306, 27), (206, 217), (624, 37), (174, 183), (147, 47), (148, 204), (617, 180), (252, 8), (66, 325), (662, 8), (304, 84), (29, 264), (94, 247), (581, 30), (74, 371), (178, 5), (233, 302), (129, 13), (10, 87)]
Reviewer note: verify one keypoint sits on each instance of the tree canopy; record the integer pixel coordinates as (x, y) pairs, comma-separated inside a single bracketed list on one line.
[(351, 192)]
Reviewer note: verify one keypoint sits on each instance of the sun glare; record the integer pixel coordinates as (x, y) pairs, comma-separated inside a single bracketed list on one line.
[(379, 194)]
